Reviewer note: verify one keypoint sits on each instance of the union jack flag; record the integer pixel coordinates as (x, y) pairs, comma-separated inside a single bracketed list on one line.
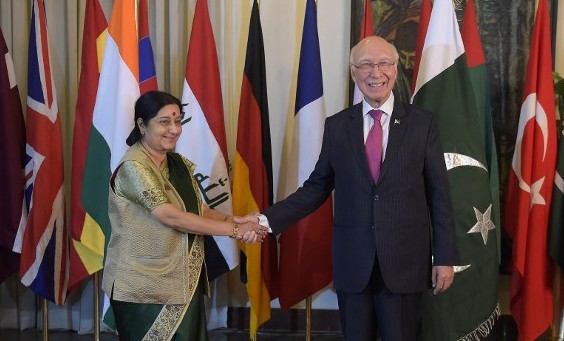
[(42, 237)]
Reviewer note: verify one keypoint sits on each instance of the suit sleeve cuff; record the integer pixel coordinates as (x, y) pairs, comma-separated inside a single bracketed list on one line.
[(263, 220)]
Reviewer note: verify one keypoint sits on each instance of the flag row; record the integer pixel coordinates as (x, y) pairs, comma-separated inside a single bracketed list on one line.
[(450, 78), (117, 66)]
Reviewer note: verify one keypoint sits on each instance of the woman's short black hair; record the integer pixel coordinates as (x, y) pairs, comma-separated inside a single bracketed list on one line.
[(146, 107)]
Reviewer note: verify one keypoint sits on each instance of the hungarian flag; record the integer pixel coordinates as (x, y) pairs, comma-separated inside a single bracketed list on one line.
[(12, 149), (424, 17), (147, 73), (366, 30), (87, 239), (42, 236), (203, 138), (252, 175), (468, 309), (529, 188), (305, 249)]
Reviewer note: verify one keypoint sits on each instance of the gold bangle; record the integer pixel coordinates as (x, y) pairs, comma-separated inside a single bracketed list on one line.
[(235, 230)]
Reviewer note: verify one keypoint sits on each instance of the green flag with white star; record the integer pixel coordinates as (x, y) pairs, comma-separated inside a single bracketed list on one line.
[(556, 227), (469, 308)]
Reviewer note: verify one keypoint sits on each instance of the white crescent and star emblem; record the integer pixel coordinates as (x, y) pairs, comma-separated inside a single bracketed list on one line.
[(483, 224), (531, 109), (483, 220), (453, 160)]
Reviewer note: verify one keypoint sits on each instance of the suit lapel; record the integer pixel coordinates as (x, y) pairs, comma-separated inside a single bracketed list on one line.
[(356, 138), (398, 127)]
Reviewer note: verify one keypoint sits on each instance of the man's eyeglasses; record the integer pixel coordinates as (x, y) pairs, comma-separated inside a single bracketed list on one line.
[(367, 67)]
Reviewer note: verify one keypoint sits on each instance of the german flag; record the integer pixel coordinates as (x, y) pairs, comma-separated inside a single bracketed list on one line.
[(252, 176)]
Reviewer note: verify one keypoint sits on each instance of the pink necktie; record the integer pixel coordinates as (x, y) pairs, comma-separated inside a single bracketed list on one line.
[(374, 144)]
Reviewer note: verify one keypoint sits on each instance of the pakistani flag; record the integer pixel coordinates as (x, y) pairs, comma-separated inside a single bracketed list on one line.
[(479, 77), (469, 308)]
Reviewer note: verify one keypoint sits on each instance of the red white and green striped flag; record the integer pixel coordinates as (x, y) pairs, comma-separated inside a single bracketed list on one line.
[(366, 30)]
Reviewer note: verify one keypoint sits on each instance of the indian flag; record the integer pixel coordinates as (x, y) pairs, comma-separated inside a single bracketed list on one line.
[(112, 120), (113, 115)]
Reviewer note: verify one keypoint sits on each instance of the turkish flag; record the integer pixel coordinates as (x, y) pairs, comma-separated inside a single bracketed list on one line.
[(529, 189)]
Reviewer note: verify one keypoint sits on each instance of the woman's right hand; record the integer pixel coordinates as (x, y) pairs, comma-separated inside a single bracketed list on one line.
[(249, 230)]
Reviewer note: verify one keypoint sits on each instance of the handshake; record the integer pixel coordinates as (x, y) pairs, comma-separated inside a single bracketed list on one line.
[(247, 229)]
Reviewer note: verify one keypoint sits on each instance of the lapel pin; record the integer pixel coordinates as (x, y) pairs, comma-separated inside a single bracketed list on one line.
[(396, 121)]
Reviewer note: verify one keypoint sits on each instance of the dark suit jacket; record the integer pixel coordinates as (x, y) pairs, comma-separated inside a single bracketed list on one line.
[(391, 218)]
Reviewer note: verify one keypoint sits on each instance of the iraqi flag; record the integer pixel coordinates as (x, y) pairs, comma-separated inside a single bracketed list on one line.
[(203, 136), (529, 189), (87, 239), (12, 147), (305, 249), (469, 308), (203, 142), (42, 236)]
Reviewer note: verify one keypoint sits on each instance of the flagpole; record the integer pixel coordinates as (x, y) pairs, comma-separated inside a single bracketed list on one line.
[(308, 318), (554, 328), (557, 327), (96, 306), (45, 311)]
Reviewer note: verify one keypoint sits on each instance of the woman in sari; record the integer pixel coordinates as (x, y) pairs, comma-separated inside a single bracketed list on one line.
[(155, 273)]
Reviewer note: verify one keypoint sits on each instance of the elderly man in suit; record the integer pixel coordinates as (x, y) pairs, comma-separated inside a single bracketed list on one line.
[(393, 230)]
